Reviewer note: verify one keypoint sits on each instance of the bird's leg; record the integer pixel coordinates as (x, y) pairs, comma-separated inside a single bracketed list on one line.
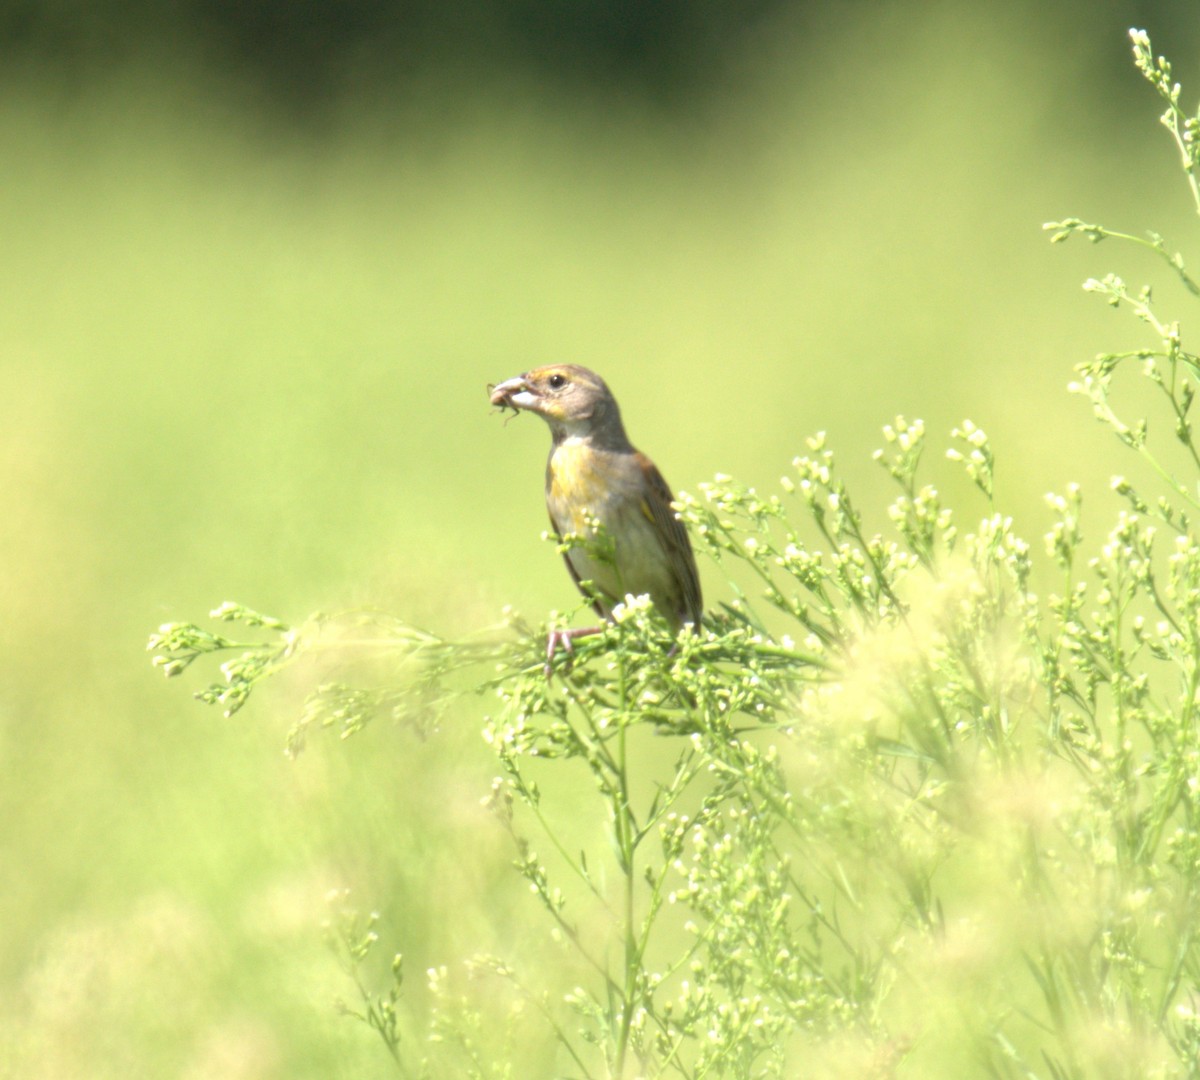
[(564, 638)]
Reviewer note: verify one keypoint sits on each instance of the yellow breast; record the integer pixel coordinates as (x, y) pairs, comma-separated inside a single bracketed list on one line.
[(574, 489)]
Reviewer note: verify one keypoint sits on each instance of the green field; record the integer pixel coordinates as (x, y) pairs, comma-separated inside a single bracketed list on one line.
[(245, 358)]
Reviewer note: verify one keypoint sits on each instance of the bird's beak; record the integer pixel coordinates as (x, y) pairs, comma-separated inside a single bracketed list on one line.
[(515, 394)]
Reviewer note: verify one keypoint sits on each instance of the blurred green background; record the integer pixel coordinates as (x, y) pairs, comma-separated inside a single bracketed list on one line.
[(260, 261)]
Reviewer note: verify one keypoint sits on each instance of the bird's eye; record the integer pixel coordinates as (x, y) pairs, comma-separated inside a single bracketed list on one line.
[(557, 382)]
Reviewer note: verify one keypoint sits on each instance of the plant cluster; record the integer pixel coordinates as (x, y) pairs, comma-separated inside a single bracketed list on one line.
[(890, 812)]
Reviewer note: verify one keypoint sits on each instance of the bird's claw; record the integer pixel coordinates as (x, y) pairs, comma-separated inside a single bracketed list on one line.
[(553, 641), (563, 638)]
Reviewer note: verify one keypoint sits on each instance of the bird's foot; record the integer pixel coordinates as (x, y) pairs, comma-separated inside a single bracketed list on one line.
[(564, 638)]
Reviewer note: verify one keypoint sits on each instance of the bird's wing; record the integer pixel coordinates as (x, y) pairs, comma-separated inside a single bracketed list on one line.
[(673, 536)]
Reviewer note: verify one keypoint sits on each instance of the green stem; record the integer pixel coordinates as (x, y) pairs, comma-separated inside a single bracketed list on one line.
[(626, 831)]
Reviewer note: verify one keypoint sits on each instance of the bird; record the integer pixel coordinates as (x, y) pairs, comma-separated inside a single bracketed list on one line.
[(602, 490)]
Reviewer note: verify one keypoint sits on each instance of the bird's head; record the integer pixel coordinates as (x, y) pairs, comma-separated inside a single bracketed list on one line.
[(571, 399)]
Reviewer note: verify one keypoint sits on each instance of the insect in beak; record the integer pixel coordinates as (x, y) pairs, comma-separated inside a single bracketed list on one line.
[(501, 402)]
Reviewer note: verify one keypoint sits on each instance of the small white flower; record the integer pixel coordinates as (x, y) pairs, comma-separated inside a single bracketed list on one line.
[(623, 612)]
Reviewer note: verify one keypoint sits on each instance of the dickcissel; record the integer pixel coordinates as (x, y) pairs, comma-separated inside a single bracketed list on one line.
[(610, 496)]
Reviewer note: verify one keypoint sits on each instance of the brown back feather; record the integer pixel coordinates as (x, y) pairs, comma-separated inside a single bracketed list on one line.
[(675, 540)]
